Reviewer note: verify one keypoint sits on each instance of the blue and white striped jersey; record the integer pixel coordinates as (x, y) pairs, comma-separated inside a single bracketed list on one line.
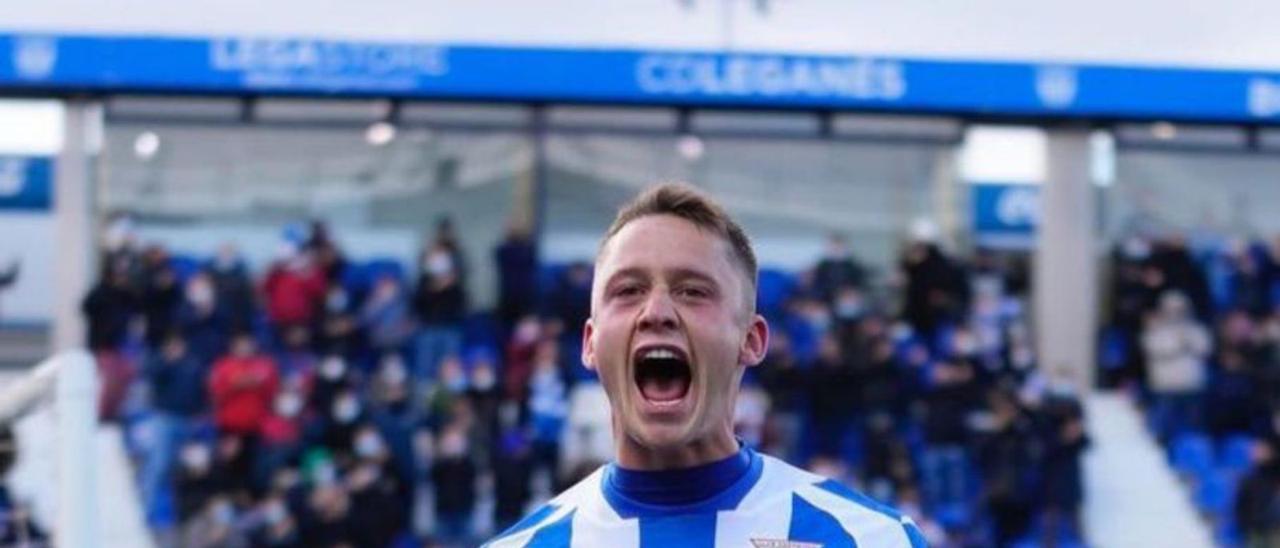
[(772, 505)]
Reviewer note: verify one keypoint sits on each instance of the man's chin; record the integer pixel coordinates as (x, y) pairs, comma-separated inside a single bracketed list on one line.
[(661, 436)]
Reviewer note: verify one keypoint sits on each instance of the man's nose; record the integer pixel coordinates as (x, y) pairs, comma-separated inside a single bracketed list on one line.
[(659, 312)]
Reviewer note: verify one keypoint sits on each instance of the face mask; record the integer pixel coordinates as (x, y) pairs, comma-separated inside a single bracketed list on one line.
[(274, 513), (346, 410), (196, 458), (455, 383), (848, 309), (453, 445), (288, 405), (394, 373), (483, 379), (368, 444), (332, 369), (200, 294), (439, 264), (223, 513)]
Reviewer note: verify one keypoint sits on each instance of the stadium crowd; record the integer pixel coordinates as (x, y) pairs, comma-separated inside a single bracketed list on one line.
[(1194, 331), (332, 402)]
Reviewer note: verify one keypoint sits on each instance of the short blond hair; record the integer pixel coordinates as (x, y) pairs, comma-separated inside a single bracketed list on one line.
[(685, 202)]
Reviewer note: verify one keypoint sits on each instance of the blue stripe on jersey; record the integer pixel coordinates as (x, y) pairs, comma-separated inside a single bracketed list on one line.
[(809, 524), (916, 536), (528, 521), (689, 530), (836, 488), (556, 534)]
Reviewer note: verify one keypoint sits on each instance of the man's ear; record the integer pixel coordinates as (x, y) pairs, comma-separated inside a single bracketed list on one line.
[(589, 345), (756, 344)]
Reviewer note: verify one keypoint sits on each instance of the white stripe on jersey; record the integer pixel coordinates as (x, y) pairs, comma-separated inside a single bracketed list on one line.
[(759, 515), (867, 527)]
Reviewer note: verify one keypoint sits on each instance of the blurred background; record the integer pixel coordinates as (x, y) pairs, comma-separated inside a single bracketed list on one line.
[(305, 274)]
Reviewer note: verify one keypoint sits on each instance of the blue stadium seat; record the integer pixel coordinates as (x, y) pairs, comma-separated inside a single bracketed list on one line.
[(953, 516), (1215, 492), (383, 266), (185, 266), (775, 287), (1193, 454), (1236, 453)]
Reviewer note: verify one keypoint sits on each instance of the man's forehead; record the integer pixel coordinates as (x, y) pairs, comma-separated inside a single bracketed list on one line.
[(666, 241)]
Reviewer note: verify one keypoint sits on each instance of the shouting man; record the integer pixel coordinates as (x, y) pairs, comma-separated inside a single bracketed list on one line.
[(673, 327)]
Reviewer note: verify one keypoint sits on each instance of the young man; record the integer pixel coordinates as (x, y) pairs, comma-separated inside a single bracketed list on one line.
[(672, 329)]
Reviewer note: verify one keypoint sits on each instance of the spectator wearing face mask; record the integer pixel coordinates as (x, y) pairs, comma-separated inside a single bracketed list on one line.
[(483, 397), (838, 269), (453, 474), (332, 377), (440, 304), (202, 321), (281, 435), (217, 526), (1176, 346), (196, 481), (277, 527), (380, 500), (338, 431), (327, 520)]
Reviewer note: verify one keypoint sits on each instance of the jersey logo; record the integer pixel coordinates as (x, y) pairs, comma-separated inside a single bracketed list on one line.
[(781, 543)]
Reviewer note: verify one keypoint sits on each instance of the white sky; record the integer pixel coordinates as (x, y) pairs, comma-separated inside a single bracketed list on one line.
[(1224, 33)]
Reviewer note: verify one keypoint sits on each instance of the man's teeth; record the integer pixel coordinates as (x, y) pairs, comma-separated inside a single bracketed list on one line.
[(659, 354)]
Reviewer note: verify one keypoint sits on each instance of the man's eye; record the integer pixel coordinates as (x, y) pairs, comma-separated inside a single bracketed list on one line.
[(627, 291), (694, 292)]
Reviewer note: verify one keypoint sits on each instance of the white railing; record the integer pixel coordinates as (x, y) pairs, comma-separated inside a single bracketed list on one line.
[(67, 384)]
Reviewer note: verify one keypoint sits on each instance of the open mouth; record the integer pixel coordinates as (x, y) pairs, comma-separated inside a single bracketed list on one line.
[(662, 373)]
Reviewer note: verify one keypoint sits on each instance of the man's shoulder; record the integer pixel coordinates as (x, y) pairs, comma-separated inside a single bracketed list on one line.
[(552, 518), (825, 509)]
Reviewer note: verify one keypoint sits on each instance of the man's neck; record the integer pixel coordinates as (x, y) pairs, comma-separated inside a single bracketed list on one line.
[(634, 456)]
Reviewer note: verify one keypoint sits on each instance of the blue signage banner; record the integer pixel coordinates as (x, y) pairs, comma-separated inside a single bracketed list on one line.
[(26, 183), (1005, 215), (235, 65)]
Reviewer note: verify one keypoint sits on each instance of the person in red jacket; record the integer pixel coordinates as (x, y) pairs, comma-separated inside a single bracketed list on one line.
[(242, 387), (294, 290)]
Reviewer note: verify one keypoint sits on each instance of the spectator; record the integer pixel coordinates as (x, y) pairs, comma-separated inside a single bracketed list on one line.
[(203, 320), (936, 291), (1179, 273), (548, 409), (1176, 347), (516, 259), (232, 287), (832, 407), (160, 295), (1065, 442), (242, 387), (327, 522), (950, 398), (440, 303), (295, 289), (1258, 498), (454, 476), (526, 341), (196, 482), (217, 526), (176, 381), (838, 269), (110, 308), (385, 316)]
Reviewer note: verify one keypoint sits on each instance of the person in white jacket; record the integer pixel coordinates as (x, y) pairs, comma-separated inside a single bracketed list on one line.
[(1176, 346)]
